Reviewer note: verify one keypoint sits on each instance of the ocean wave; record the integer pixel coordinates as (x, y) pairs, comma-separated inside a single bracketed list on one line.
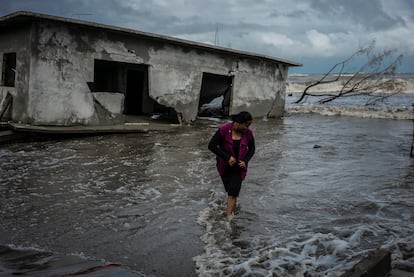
[(405, 86), (379, 105), (357, 111), (297, 83), (324, 253)]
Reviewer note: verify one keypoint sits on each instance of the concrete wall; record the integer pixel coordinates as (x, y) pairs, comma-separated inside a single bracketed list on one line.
[(176, 75), (62, 63), (60, 70), (260, 88)]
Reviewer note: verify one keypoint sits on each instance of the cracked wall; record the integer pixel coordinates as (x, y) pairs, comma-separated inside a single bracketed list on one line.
[(62, 63)]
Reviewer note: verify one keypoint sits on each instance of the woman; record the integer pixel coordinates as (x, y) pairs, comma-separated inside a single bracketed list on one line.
[(233, 144)]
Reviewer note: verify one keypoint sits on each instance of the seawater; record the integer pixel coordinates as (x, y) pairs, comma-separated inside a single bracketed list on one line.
[(321, 192), (394, 104)]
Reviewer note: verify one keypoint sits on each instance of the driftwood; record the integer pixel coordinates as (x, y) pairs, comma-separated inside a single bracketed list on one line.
[(371, 77), (5, 103)]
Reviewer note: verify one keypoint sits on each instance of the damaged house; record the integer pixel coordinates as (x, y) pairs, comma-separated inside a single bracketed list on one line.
[(66, 72)]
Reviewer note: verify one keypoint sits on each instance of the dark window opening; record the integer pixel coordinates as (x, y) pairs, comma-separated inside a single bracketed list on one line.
[(107, 76), (9, 69), (215, 95), (131, 80)]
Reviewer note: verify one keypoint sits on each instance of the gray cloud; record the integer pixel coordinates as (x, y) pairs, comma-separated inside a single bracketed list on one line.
[(296, 30), (369, 14)]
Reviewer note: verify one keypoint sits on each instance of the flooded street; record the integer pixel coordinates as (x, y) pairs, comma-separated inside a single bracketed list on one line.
[(321, 191)]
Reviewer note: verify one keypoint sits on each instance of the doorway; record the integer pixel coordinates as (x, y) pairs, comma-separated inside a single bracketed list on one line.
[(215, 95), (129, 79), (132, 81), (135, 92), (9, 69)]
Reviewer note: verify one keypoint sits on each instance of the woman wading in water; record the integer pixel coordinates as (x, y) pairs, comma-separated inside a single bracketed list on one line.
[(233, 144)]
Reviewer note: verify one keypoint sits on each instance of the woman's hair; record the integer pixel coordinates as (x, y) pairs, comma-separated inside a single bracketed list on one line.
[(241, 117)]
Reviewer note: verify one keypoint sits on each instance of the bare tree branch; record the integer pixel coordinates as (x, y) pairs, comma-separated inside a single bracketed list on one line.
[(370, 77)]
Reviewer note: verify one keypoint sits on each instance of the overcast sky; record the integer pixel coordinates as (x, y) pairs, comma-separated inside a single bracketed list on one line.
[(317, 33)]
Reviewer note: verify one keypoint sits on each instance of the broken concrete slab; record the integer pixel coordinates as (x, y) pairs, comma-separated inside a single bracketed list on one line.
[(113, 102)]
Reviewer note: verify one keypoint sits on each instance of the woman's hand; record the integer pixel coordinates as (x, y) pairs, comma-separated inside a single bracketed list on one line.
[(232, 161), (242, 164)]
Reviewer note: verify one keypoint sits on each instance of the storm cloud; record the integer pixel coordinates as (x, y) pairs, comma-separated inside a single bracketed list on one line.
[(317, 32)]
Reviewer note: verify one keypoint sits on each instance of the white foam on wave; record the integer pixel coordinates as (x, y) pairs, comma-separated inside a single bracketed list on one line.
[(147, 194), (358, 111), (297, 84), (308, 254), (394, 102), (216, 234)]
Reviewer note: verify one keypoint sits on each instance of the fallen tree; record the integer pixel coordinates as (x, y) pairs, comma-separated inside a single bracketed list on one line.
[(372, 77)]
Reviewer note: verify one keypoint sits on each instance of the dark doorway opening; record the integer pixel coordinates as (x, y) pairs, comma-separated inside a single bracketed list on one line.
[(132, 81), (215, 95), (9, 69), (137, 99), (135, 92)]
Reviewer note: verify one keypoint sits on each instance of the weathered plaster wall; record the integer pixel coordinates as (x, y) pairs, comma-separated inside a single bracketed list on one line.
[(259, 87), (16, 41), (176, 75), (59, 73), (63, 63)]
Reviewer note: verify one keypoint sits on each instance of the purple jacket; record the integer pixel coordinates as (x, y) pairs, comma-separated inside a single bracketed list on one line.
[(227, 146)]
